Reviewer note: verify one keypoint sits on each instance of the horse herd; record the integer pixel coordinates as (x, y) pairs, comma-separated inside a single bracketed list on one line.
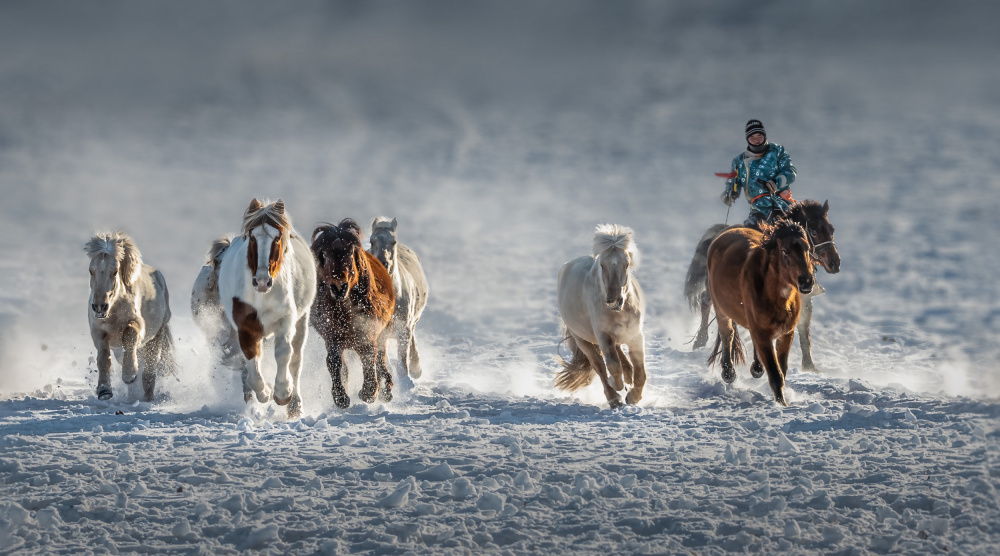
[(268, 282)]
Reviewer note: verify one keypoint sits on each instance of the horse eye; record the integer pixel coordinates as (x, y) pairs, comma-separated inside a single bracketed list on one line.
[(812, 233)]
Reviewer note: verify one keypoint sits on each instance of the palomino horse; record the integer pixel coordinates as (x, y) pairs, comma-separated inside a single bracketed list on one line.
[(756, 281), (266, 284), (353, 310), (809, 214), (602, 306), (410, 286), (129, 314)]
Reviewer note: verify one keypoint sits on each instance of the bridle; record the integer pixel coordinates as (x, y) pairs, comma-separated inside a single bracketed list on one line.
[(815, 247)]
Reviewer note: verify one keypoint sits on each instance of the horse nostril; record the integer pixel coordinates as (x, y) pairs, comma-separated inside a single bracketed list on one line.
[(270, 281), (94, 306), (254, 282)]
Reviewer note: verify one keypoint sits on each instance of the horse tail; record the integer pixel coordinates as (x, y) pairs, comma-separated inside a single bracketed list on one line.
[(577, 372), (736, 351), (697, 274), (217, 250)]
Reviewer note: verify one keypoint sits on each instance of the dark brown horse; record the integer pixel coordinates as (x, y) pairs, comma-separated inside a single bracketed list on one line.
[(757, 280), (814, 218), (353, 308)]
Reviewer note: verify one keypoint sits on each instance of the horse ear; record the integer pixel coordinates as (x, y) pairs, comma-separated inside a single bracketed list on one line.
[(393, 227), (826, 206), (254, 206), (279, 207)]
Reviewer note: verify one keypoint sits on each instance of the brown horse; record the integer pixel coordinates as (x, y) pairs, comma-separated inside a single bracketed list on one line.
[(757, 280), (809, 214), (353, 309)]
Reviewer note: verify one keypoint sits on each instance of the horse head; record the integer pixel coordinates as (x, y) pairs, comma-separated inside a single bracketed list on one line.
[(115, 263), (793, 251), (265, 229), (339, 255), (814, 217), (616, 256), (383, 242)]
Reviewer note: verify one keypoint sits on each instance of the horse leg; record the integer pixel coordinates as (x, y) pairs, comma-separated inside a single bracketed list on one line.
[(805, 342), (610, 349), (403, 345), (727, 333), (765, 350), (335, 364), (283, 352), (706, 307), (414, 370), (295, 367), (130, 357), (382, 370), (255, 380), (368, 354), (782, 347), (593, 354), (756, 369), (150, 355), (637, 354), (626, 365), (104, 391)]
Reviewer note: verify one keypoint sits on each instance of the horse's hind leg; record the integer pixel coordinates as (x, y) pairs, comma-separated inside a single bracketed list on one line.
[(593, 354), (706, 308), (783, 346), (756, 369), (805, 342), (610, 349), (403, 345), (765, 350), (637, 354), (382, 370), (727, 337), (626, 365)]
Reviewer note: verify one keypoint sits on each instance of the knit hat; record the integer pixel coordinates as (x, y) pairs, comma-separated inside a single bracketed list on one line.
[(755, 126)]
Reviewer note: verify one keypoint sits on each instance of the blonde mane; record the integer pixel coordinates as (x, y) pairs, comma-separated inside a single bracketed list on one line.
[(614, 236), (269, 213), (120, 246)]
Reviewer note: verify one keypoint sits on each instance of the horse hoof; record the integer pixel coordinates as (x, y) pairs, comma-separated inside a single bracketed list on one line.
[(295, 408), (615, 402), (343, 401), (633, 397), (129, 379), (728, 375), (104, 393), (263, 396), (368, 396), (386, 395), (756, 369), (282, 401), (699, 342), (414, 371)]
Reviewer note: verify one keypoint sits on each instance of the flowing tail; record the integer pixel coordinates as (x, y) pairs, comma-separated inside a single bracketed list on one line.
[(735, 350), (577, 372), (697, 274)]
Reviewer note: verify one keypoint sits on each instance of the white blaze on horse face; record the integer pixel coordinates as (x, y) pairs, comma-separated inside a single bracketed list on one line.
[(614, 277), (263, 237), (383, 244), (103, 283)]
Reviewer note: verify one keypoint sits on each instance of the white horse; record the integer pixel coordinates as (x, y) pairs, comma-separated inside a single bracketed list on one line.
[(602, 306), (129, 313), (410, 286), (266, 286)]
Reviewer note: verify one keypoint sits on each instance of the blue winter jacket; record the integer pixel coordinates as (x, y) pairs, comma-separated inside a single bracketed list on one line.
[(773, 165)]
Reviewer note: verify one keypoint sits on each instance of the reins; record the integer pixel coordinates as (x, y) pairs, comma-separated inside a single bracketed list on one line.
[(814, 247)]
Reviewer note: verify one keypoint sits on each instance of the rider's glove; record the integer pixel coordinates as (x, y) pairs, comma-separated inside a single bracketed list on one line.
[(727, 199), (768, 185)]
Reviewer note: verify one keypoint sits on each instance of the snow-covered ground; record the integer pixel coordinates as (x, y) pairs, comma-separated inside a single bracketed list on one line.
[(500, 134)]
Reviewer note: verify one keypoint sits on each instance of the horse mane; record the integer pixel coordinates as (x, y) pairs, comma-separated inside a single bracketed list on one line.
[(269, 213), (614, 236), (382, 223), (782, 229), (807, 210), (347, 230), (120, 246)]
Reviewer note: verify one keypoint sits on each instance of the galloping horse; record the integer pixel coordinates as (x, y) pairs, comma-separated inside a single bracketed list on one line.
[(756, 280), (353, 309), (266, 284), (602, 306), (809, 214), (129, 314), (408, 283)]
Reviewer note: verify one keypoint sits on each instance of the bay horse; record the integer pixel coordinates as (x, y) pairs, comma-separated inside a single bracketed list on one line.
[(756, 280), (602, 307), (266, 284), (129, 314), (409, 284), (353, 310), (814, 218)]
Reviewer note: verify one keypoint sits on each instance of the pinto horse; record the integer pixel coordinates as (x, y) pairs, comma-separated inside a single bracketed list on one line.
[(353, 310), (266, 284), (814, 218), (602, 306), (756, 280), (129, 314)]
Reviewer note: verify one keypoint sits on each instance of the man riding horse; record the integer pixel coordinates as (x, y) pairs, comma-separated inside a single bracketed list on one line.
[(764, 172)]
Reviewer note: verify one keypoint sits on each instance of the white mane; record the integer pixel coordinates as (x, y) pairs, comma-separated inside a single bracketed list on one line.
[(382, 223), (614, 236), (122, 248)]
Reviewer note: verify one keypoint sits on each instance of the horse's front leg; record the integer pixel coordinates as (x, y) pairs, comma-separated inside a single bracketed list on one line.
[(130, 345), (368, 352), (626, 366), (250, 343), (725, 344), (104, 391), (295, 366), (403, 336), (765, 351), (283, 352), (609, 347), (637, 355), (805, 342), (335, 364), (706, 307), (782, 347), (593, 354)]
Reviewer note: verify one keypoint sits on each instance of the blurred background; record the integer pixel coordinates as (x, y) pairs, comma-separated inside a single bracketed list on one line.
[(499, 134)]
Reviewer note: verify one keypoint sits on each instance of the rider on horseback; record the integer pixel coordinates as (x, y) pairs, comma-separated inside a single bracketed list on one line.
[(765, 172)]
